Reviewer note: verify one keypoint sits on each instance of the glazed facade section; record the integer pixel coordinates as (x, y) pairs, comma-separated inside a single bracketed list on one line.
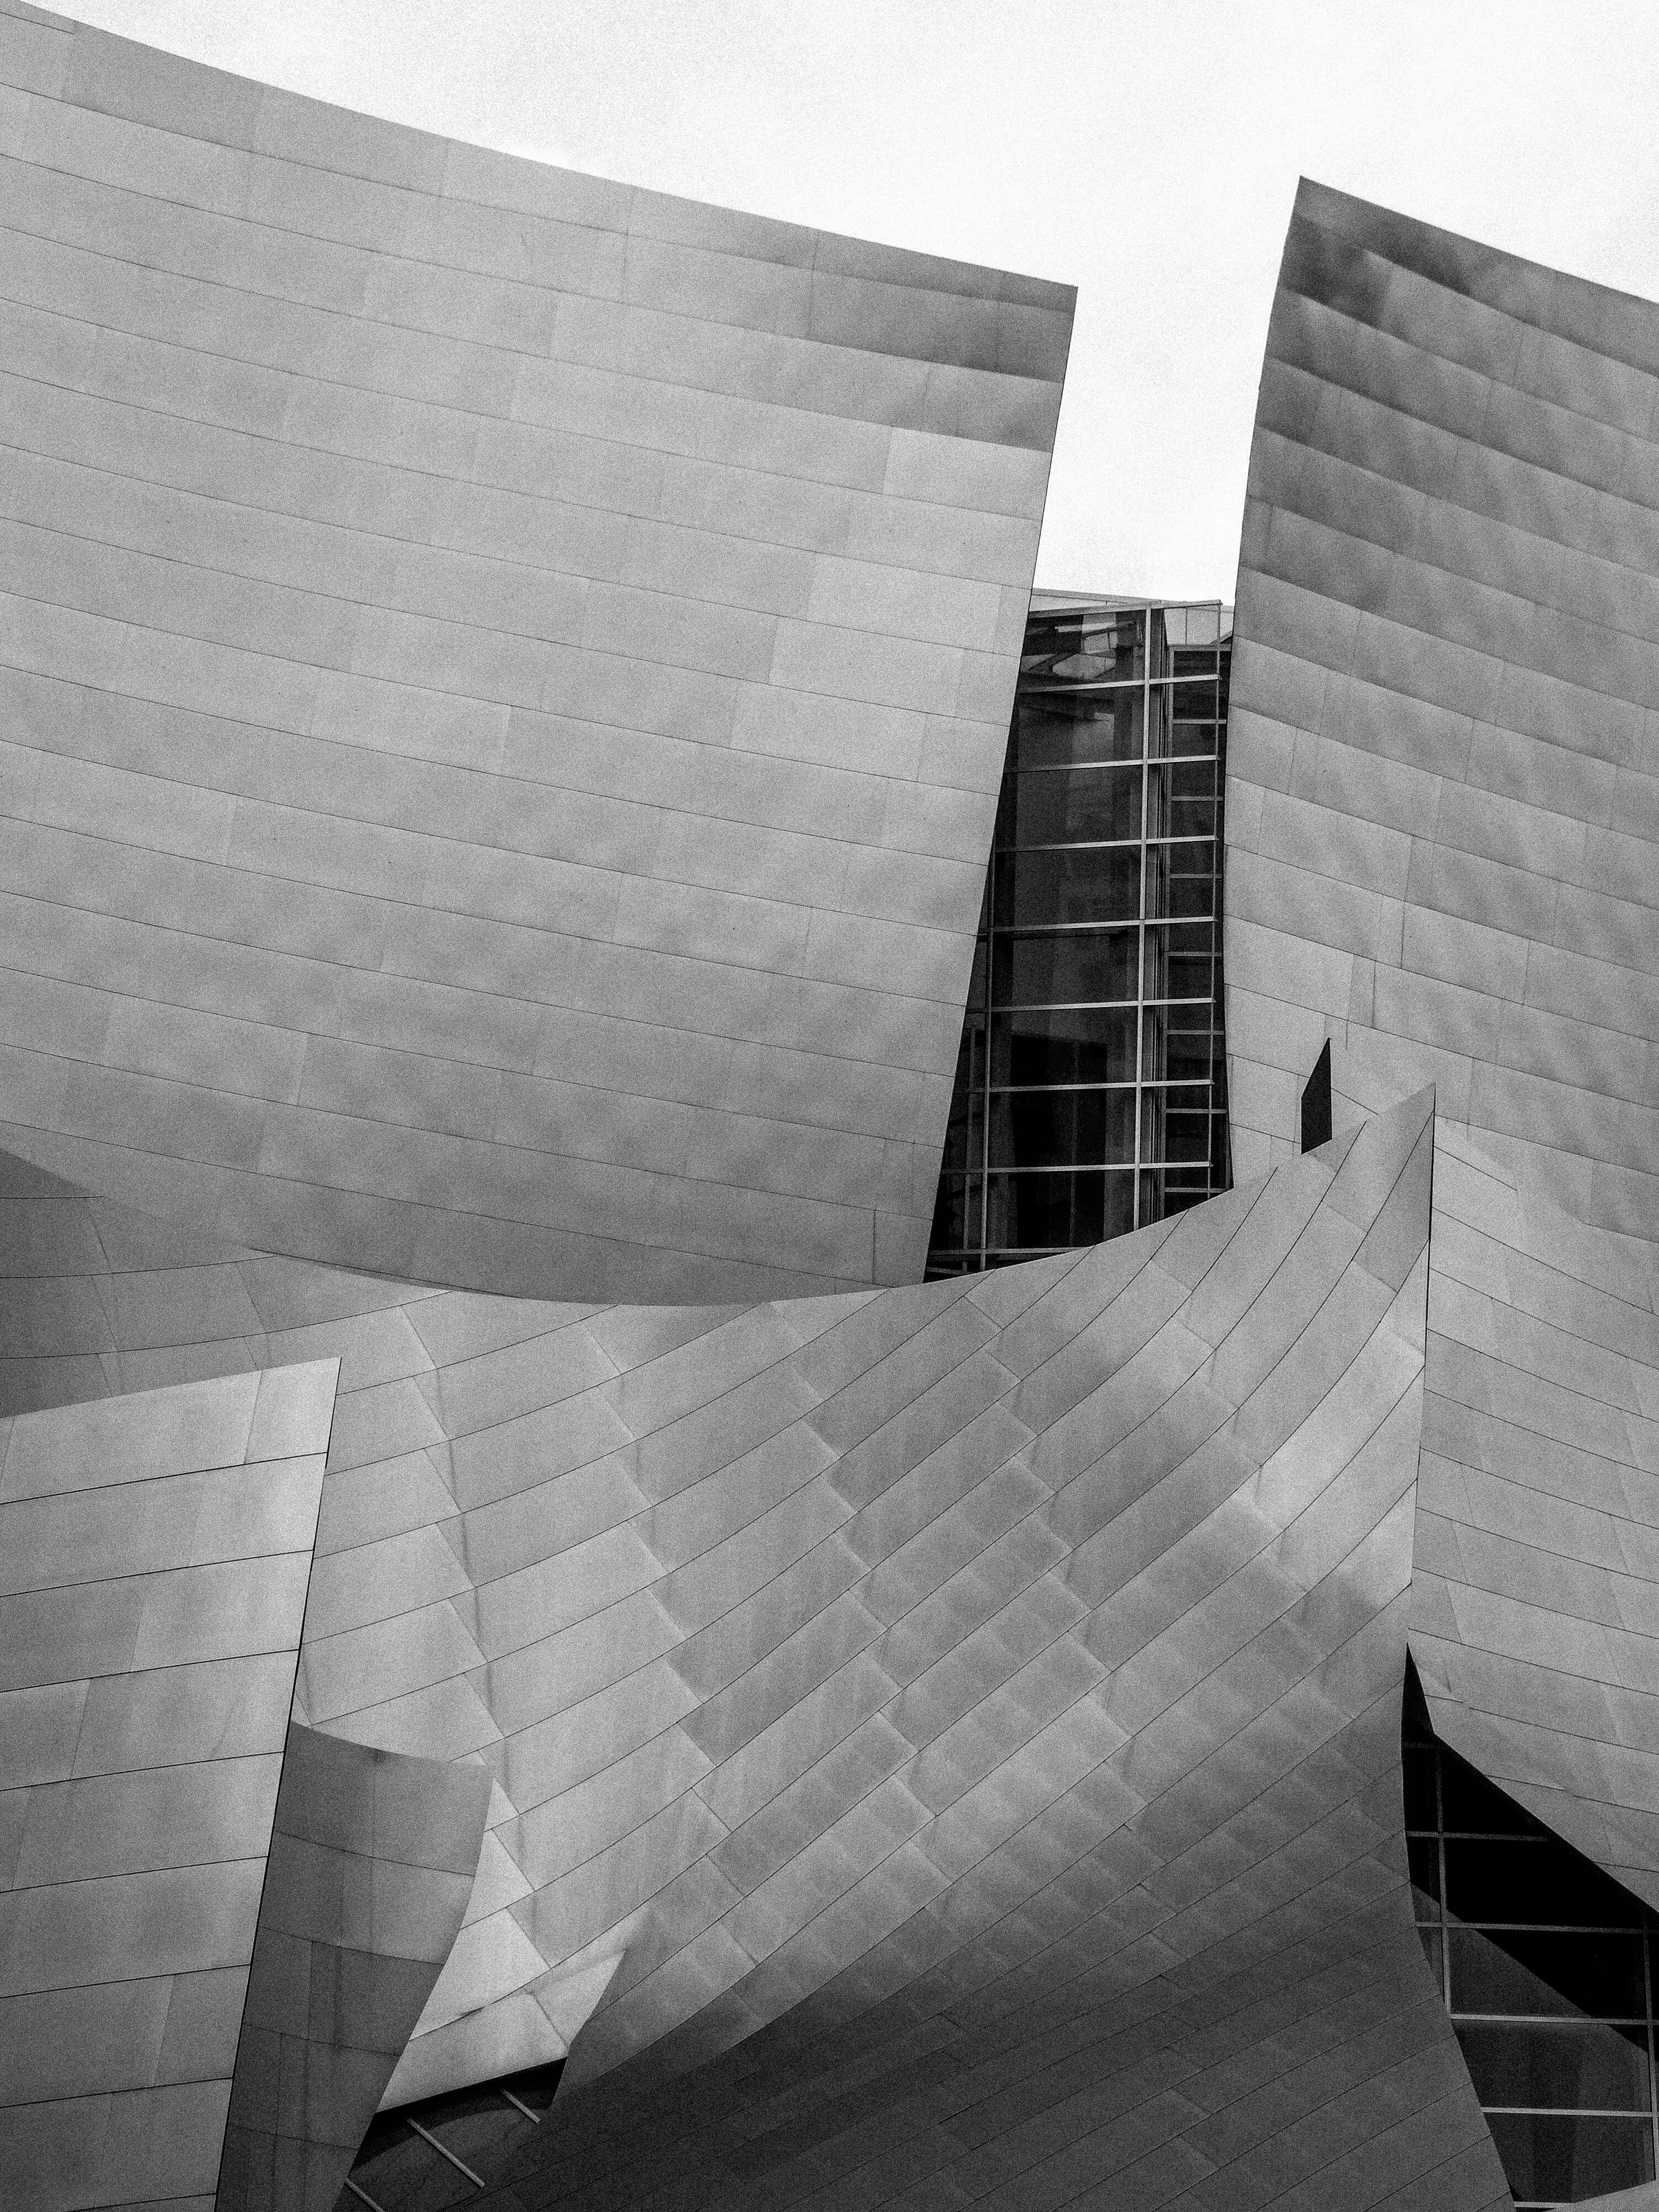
[(1090, 1095), (506, 685), (1442, 754)]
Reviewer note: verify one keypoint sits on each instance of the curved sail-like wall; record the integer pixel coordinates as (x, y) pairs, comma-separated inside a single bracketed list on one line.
[(155, 1552), (1444, 859), (374, 1857), (1535, 1590), (505, 685), (1443, 749), (923, 1672)]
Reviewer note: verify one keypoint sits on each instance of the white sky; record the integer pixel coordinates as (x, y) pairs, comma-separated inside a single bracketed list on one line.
[(1144, 151)]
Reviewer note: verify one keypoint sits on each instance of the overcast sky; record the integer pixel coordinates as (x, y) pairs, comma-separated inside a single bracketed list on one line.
[(1147, 153)]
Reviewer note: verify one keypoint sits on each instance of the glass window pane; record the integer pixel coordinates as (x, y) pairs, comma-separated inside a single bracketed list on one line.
[(1520, 1971), (1178, 960), (1194, 700), (1190, 893), (1194, 630), (1193, 817), (956, 1213), (1187, 1056), (1096, 883), (1175, 1044), (1027, 1212), (1087, 646), (1537, 1881), (1052, 1128), (1194, 737), (1192, 979), (1562, 2158), (1076, 1044), (1568, 2064), (1186, 1138), (1473, 1802), (1071, 806), (1066, 967), (1054, 729), (1423, 1854), (1431, 1940)]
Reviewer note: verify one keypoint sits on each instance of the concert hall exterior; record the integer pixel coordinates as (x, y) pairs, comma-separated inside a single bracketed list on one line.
[(550, 1538)]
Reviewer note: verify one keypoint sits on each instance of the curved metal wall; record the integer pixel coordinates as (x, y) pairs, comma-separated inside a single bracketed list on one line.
[(154, 1552), (371, 1863), (956, 1728), (1535, 1591), (506, 683), (1443, 754)]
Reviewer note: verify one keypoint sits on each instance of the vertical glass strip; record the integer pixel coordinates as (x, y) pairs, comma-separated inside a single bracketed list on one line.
[(1084, 1098)]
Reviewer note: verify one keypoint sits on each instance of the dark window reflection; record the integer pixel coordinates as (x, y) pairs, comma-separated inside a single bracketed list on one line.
[(1069, 968), (1073, 806), (1050, 1211), (1561, 2158), (1537, 1970), (1067, 883), (1072, 1044), (1545, 1966), (1099, 959), (1086, 645), (1031, 1128), (1556, 2065), (1504, 1879)]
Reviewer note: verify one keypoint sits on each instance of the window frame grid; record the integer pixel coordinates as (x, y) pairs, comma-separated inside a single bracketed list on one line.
[(970, 1179), (1441, 1925)]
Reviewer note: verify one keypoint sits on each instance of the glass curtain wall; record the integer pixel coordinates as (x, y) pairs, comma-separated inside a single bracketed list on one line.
[(1091, 1089), (1546, 1967)]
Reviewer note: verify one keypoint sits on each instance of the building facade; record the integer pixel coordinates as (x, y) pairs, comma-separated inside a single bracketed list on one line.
[(541, 1661)]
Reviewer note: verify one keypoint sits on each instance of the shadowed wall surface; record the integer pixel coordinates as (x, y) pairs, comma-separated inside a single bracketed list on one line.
[(1443, 789), (371, 1860), (506, 686), (154, 1551)]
